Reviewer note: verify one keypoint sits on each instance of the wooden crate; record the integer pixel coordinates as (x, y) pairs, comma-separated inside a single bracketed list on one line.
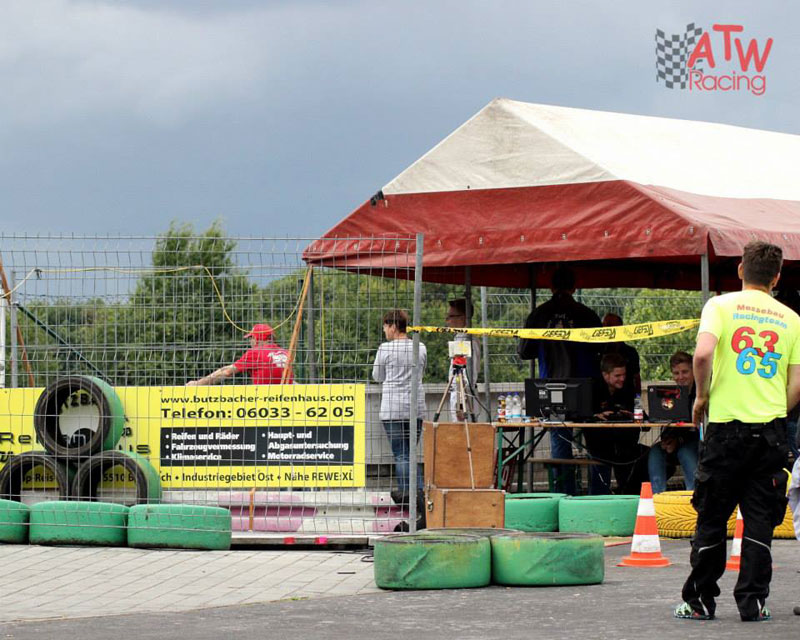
[(465, 508), (447, 456)]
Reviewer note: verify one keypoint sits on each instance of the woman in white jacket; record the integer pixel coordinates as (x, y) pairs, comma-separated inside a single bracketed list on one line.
[(393, 368)]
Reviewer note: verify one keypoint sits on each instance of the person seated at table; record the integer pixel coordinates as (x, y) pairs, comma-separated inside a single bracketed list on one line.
[(633, 378), (617, 447), (677, 445)]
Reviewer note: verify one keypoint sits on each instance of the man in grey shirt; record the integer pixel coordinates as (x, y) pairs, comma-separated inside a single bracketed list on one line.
[(394, 368)]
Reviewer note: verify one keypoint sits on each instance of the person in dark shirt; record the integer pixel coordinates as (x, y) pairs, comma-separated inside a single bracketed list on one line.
[(561, 359), (676, 445), (618, 447), (633, 377)]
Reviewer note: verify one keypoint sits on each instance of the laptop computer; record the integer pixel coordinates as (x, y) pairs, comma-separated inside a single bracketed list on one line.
[(668, 403)]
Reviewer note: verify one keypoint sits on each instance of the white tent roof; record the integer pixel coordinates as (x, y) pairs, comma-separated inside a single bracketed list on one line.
[(519, 144)]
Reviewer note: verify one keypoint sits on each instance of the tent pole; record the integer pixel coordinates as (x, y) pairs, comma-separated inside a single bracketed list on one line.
[(412, 422), (704, 277), (533, 307), (468, 293), (487, 391)]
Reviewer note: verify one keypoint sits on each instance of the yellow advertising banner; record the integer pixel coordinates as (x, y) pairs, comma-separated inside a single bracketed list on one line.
[(242, 437)]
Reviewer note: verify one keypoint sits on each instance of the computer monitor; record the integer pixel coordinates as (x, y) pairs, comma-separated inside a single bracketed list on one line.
[(559, 398)]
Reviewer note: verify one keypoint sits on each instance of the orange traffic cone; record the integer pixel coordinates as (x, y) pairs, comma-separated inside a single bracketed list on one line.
[(645, 546), (735, 561)]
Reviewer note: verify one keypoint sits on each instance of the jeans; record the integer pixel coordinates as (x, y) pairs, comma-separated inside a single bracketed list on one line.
[(561, 449), (657, 465), (397, 431)]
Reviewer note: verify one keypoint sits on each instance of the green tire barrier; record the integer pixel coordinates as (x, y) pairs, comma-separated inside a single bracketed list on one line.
[(14, 517), (179, 526), (79, 523), (533, 511), (71, 394), (12, 475), (467, 531), (420, 561), (95, 471), (542, 559), (604, 515)]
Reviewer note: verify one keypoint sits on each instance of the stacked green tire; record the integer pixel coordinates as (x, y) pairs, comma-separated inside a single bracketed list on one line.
[(428, 561), (179, 526), (79, 523), (603, 515), (14, 518), (90, 474), (533, 511), (12, 475), (75, 391), (547, 559)]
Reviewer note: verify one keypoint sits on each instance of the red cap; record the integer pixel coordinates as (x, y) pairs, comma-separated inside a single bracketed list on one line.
[(260, 332)]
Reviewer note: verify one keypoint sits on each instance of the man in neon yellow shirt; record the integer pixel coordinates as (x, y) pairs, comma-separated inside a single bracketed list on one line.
[(747, 371)]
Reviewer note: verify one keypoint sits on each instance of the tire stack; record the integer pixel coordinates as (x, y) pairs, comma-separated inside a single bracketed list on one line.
[(78, 457), (551, 512), (676, 517), (469, 558)]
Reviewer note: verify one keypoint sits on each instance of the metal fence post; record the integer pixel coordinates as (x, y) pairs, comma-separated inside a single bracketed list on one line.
[(704, 278), (12, 312), (412, 422), (2, 343), (485, 340), (311, 344)]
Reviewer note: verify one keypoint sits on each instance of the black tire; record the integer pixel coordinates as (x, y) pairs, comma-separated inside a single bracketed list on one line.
[(79, 391), (547, 559), (419, 561), (91, 473), (13, 474)]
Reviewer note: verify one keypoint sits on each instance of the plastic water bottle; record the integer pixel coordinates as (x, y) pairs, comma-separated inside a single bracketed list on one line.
[(516, 408), (638, 411), (501, 408)]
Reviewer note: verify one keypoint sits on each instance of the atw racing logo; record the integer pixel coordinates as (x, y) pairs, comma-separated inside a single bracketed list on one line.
[(689, 60)]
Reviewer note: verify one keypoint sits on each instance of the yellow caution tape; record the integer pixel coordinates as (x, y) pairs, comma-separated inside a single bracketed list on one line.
[(641, 331)]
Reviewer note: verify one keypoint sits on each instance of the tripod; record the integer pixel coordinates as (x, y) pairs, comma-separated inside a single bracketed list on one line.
[(460, 382)]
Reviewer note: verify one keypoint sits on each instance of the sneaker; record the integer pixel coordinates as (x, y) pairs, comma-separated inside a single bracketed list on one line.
[(684, 611), (762, 616)]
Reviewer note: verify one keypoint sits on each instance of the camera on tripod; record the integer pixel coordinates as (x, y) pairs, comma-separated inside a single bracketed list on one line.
[(459, 382), (459, 351)]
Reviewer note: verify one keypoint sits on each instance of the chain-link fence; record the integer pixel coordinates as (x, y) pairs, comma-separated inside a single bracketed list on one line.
[(196, 370), (133, 371)]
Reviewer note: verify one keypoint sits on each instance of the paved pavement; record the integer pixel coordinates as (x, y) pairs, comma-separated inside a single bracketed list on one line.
[(40, 582), (319, 594)]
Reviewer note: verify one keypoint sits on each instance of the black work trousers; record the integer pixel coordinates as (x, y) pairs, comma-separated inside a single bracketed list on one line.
[(739, 463)]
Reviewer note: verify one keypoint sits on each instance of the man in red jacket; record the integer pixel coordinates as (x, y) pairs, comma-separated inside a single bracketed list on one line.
[(264, 360)]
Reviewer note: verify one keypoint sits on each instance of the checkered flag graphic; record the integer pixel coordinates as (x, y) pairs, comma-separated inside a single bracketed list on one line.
[(672, 56)]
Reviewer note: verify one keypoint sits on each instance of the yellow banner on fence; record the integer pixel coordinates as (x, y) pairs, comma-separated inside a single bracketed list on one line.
[(243, 436), (639, 331)]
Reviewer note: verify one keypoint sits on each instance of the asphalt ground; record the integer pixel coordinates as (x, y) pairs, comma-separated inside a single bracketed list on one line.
[(632, 604)]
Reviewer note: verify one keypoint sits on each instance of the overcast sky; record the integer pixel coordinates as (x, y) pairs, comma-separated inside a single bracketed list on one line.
[(282, 117)]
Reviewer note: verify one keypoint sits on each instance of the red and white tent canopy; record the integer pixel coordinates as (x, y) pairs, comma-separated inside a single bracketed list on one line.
[(629, 200)]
